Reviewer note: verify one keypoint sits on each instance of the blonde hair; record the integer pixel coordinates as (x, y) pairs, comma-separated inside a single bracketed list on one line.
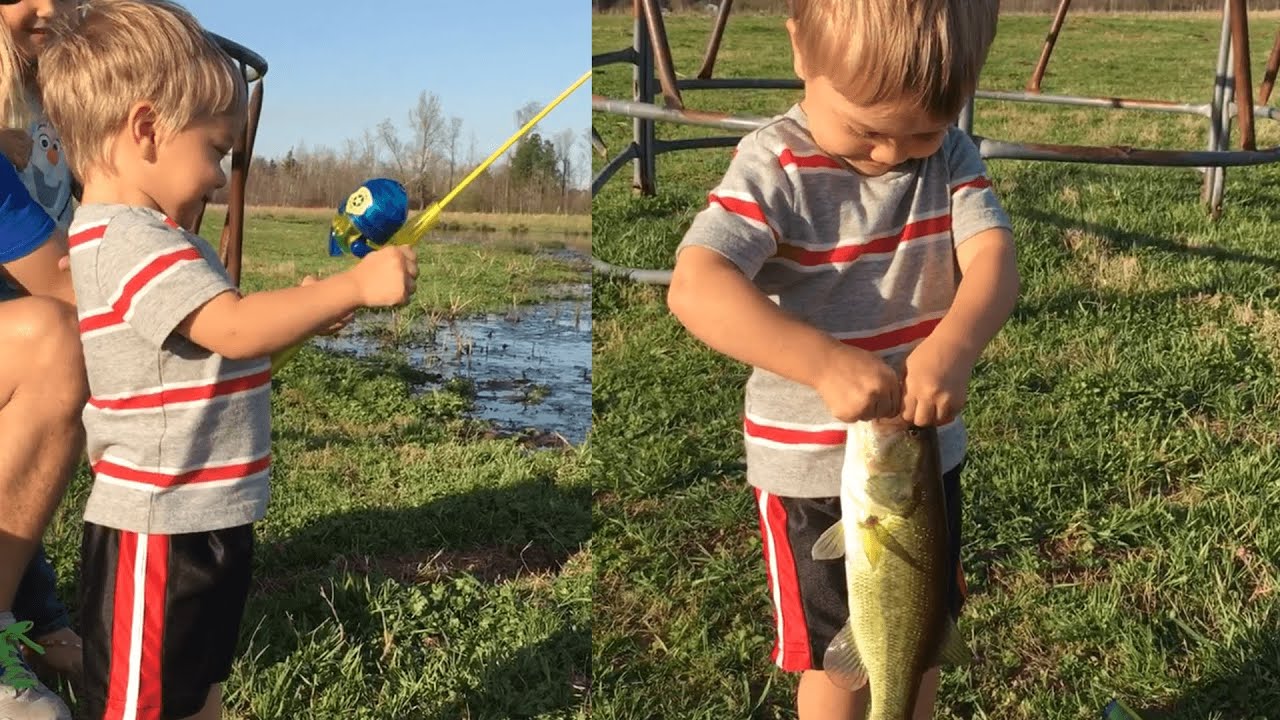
[(15, 109), (925, 52), (129, 51)]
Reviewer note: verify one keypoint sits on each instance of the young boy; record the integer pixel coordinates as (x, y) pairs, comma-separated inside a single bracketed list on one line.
[(856, 256), (178, 421)]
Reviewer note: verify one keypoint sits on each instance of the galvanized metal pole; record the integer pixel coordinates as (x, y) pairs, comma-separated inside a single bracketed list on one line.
[(644, 170)]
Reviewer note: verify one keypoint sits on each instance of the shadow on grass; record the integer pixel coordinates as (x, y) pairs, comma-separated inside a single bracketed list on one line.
[(508, 685), (1116, 238), (1247, 689), (528, 531)]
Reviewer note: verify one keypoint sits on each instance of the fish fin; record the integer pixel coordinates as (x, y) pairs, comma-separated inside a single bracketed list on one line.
[(954, 650), (871, 545), (842, 664), (830, 544), (887, 541)]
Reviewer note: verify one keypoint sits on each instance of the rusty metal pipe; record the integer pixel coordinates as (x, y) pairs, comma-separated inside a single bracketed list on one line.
[(661, 51), (1244, 80), (1269, 77), (717, 34), (989, 147), (1033, 85), (231, 248)]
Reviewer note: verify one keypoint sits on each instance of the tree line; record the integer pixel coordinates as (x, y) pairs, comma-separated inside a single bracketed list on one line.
[(1018, 6), (429, 155)]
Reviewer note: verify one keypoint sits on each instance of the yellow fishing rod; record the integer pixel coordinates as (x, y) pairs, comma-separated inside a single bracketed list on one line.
[(344, 228), (421, 224)]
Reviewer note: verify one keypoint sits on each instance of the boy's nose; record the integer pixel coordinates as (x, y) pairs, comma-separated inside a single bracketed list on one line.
[(888, 153)]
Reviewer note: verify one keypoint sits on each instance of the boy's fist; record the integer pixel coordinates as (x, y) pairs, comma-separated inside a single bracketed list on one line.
[(858, 385), (386, 277), (16, 145)]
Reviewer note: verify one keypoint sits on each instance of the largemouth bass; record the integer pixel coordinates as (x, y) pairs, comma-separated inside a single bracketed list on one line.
[(894, 539)]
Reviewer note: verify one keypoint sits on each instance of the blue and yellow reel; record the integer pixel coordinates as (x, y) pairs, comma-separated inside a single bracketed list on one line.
[(368, 218)]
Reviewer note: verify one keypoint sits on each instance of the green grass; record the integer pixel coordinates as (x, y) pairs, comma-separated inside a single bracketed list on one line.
[(1122, 495), (406, 568), (566, 228)]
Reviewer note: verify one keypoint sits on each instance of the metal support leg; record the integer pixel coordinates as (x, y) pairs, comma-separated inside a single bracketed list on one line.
[(1269, 77), (1244, 78), (660, 54), (717, 34), (966, 117), (1213, 176), (1033, 85), (644, 170)]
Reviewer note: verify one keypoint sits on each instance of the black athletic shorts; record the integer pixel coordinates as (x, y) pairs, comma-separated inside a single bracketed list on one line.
[(810, 597), (160, 617)]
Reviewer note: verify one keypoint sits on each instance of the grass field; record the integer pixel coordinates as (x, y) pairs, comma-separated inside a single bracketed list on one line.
[(572, 227), (406, 568), (1123, 489)]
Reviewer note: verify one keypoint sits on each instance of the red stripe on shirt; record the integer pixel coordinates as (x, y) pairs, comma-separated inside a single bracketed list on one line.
[(978, 182), (791, 436), (849, 253), (133, 286), (186, 394), (745, 208), (86, 236), (894, 338), (190, 477), (808, 161)]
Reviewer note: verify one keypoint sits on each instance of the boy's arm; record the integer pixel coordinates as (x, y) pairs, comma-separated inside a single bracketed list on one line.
[(154, 279), (263, 323), (985, 297), (722, 308), (935, 387)]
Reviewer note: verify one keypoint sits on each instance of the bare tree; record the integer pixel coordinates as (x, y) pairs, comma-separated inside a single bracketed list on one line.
[(414, 158), (566, 143), (452, 132), (526, 112)]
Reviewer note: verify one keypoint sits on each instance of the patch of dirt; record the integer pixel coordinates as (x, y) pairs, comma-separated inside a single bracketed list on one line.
[(493, 564)]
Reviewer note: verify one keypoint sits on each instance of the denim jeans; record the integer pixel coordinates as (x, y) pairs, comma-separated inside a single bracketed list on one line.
[(37, 597)]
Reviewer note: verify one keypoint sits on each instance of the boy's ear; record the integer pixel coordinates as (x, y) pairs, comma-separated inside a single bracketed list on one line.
[(797, 58), (142, 130)]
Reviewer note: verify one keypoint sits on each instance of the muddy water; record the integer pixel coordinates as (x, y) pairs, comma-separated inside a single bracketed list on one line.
[(530, 366)]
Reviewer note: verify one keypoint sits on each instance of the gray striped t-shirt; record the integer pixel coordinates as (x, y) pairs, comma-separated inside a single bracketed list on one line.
[(869, 260), (179, 438)]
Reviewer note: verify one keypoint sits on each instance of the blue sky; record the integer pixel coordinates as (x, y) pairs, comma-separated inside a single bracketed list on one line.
[(337, 68)]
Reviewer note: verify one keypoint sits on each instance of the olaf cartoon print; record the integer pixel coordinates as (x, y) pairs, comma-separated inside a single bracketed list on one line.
[(47, 174)]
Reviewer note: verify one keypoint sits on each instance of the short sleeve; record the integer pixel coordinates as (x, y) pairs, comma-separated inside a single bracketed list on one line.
[(24, 225), (974, 205), (153, 277), (747, 212)]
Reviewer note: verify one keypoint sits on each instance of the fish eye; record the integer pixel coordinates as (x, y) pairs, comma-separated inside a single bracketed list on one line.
[(913, 431)]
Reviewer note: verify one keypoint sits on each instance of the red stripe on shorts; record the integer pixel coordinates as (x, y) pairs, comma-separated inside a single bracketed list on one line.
[(146, 674), (149, 672), (121, 622), (791, 650)]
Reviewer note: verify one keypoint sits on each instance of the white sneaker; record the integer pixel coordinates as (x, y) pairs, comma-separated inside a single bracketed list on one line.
[(22, 696)]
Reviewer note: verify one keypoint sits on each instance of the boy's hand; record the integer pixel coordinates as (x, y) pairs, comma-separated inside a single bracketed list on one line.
[(858, 385), (337, 326), (16, 144), (935, 386), (386, 277)]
